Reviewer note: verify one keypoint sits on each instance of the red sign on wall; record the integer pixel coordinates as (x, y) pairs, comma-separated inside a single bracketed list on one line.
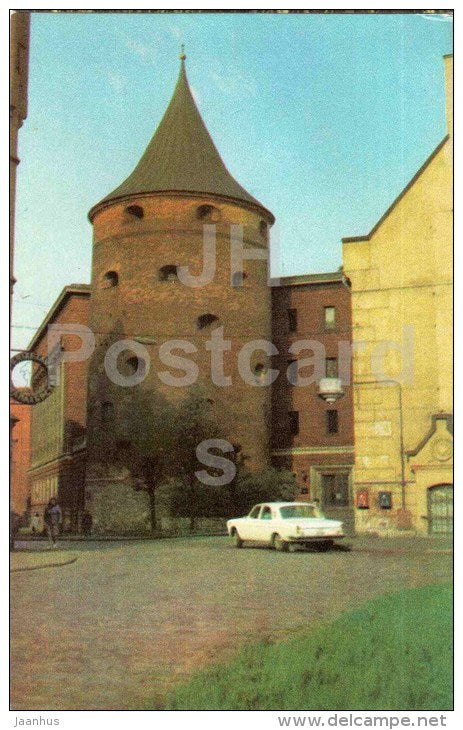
[(362, 501)]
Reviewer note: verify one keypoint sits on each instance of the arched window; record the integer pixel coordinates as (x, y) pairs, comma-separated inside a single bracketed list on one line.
[(207, 213), (110, 279), (206, 320), (238, 279), (168, 273), (259, 370), (135, 210), (134, 365)]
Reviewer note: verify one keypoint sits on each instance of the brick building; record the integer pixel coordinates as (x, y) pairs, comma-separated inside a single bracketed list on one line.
[(20, 417), (58, 423), (309, 436), (144, 231)]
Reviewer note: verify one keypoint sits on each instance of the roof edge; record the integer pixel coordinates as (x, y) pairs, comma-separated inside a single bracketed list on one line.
[(367, 236), (335, 277), (59, 303), (178, 194)]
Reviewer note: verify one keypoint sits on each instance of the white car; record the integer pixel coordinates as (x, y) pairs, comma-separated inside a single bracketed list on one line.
[(281, 524)]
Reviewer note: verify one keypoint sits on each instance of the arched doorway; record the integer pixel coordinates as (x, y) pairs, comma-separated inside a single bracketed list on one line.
[(440, 509)]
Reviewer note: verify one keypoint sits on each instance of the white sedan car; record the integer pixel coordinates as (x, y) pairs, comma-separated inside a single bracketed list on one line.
[(280, 524)]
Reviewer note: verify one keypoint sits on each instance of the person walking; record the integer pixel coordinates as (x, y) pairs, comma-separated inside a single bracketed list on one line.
[(53, 518)]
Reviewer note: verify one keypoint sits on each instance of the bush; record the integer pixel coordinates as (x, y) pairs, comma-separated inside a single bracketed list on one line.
[(119, 509), (229, 500)]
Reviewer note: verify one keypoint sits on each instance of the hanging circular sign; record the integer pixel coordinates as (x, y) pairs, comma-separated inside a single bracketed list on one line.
[(28, 397)]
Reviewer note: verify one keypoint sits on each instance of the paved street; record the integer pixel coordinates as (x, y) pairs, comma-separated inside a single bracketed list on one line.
[(124, 620)]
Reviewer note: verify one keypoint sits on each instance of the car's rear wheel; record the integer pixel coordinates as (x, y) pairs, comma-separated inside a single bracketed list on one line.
[(237, 539), (279, 544), (325, 545)]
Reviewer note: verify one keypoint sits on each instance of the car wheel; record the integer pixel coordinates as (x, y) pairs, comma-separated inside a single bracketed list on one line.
[(324, 546), (280, 544), (237, 539)]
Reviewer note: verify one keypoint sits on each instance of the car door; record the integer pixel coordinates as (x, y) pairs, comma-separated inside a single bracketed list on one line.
[(248, 528), (265, 524)]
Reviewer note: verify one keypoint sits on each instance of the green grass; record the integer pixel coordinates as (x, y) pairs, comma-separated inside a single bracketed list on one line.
[(394, 653)]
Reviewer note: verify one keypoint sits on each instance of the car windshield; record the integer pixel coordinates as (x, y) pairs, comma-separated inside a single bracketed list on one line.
[(292, 511)]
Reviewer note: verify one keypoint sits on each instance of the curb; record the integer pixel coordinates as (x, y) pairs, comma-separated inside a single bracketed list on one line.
[(45, 565)]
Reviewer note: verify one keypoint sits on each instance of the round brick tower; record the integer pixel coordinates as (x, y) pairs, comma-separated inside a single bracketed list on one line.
[(151, 225)]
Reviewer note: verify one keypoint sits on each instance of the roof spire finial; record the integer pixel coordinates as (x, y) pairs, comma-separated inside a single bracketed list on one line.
[(182, 52)]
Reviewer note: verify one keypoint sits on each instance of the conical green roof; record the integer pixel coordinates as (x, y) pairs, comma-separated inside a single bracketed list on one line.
[(181, 156)]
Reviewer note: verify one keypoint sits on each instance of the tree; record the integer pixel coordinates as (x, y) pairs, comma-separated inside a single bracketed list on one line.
[(268, 485), (145, 438), (195, 422)]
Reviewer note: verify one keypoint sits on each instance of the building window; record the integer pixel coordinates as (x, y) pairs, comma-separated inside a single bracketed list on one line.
[(206, 320), (331, 367), (134, 365), (207, 213), (331, 421), (293, 422), (292, 371), (292, 320), (135, 210), (238, 278), (260, 371), (110, 279), (335, 490), (263, 229), (168, 273), (330, 317)]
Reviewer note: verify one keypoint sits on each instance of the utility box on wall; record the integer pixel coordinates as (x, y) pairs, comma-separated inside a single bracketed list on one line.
[(362, 499), (385, 500)]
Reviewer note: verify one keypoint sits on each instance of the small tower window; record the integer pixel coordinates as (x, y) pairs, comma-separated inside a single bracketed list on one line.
[(168, 273), (206, 320), (263, 228), (135, 210), (238, 279), (134, 365), (207, 213), (110, 279), (259, 371)]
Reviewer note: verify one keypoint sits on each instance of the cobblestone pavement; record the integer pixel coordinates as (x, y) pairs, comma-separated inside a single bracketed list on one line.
[(113, 629)]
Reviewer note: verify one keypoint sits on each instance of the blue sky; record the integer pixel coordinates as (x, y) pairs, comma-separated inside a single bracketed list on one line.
[(323, 118)]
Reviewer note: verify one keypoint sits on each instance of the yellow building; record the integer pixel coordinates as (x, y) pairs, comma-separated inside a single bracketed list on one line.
[(401, 276)]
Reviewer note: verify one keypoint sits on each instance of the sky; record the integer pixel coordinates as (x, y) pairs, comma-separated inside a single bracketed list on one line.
[(323, 118)]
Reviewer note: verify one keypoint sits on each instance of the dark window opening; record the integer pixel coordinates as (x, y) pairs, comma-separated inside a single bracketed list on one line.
[(168, 273), (263, 229), (293, 422), (110, 279), (207, 213), (292, 320), (238, 278), (331, 421), (331, 367), (135, 210), (335, 489), (134, 365), (206, 320), (292, 371)]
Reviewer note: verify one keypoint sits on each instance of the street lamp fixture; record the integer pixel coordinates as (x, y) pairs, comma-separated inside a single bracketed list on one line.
[(330, 389)]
